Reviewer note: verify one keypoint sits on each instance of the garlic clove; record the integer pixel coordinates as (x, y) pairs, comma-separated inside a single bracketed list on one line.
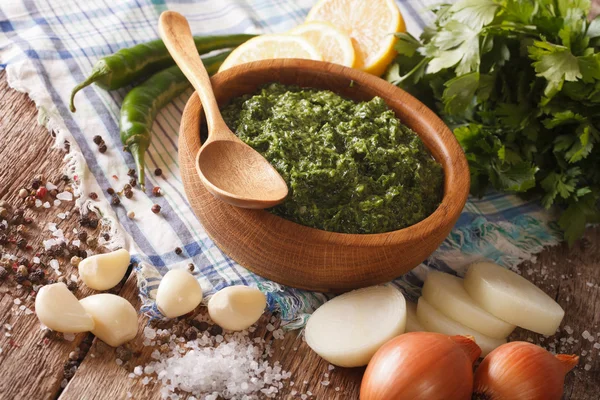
[(115, 319), (178, 293), (513, 298), (237, 307), (104, 271), (447, 294), (348, 329), (58, 309), (412, 322), (434, 321)]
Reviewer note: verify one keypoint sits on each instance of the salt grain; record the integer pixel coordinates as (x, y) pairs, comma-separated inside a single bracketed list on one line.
[(51, 186), (46, 205), (36, 260), (61, 215), (69, 337), (587, 367), (568, 329), (66, 196), (38, 203), (17, 301), (119, 361)]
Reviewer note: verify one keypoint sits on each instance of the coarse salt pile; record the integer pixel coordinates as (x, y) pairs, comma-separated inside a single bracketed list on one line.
[(229, 366)]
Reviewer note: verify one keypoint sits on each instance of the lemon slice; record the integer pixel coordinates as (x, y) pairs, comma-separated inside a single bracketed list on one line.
[(369, 23), (334, 44), (271, 46)]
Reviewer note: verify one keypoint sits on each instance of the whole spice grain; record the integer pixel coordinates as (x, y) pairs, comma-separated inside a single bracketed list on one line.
[(37, 276), (23, 193), (98, 139), (131, 172), (102, 148), (123, 353), (131, 215), (178, 250), (30, 201), (75, 261), (128, 193), (41, 192), (133, 182), (200, 325), (3, 273), (92, 242), (72, 286), (126, 187), (65, 178), (82, 236), (155, 209), (3, 212), (21, 243), (158, 172), (191, 267), (27, 220), (22, 270), (93, 223), (36, 183), (191, 333), (53, 192), (3, 239), (215, 330), (21, 229), (156, 191), (94, 196), (106, 236), (110, 191), (115, 201)]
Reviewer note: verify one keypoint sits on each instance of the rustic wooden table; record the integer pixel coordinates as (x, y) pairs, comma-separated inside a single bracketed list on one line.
[(32, 367)]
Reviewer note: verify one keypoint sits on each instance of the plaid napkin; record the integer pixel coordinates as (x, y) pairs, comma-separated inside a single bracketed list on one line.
[(47, 46)]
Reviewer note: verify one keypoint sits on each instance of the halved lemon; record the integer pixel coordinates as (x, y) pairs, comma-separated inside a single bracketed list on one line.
[(369, 23), (271, 46), (334, 44)]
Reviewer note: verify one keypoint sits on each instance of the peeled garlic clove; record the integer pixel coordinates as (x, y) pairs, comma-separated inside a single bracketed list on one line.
[(434, 321), (58, 309), (236, 307), (412, 322), (513, 298), (348, 329), (115, 318), (104, 271), (178, 293), (447, 294)]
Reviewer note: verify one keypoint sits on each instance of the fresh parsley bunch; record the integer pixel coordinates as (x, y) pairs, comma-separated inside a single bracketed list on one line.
[(518, 81)]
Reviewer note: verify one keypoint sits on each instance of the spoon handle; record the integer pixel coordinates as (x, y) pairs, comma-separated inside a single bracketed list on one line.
[(175, 32)]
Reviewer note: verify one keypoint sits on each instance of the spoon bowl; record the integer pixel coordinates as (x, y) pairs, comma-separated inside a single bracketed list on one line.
[(219, 182), (231, 170)]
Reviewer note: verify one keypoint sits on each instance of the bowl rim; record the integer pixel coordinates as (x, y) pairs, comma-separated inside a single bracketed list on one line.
[(456, 172)]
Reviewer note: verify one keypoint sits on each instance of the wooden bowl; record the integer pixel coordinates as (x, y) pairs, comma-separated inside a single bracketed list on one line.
[(309, 258)]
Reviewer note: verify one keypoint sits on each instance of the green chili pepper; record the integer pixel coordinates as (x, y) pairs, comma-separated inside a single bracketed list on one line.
[(134, 63), (142, 103)]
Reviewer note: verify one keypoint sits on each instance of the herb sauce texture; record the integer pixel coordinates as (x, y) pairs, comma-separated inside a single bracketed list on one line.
[(350, 167)]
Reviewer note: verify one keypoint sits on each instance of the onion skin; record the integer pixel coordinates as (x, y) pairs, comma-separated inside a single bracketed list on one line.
[(522, 371), (421, 366)]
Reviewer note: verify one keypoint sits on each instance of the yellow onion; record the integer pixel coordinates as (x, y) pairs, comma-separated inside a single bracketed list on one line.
[(522, 371), (421, 366)]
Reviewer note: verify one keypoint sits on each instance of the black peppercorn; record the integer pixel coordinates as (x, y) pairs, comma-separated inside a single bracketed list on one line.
[(97, 139), (102, 148), (123, 353), (200, 325), (64, 178), (110, 191), (191, 333), (128, 194), (178, 250), (215, 330), (3, 239), (106, 236), (37, 276), (131, 172), (93, 223), (82, 236), (94, 196), (36, 183), (156, 191), (132, 182), (155, 209), (21, 243), (72, 286), (115, 200), (28, 220), (158, 172)]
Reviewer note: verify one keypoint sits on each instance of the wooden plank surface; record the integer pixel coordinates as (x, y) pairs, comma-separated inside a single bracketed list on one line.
[(32, 368)]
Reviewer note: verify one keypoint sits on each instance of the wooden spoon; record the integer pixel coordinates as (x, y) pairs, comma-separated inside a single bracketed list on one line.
[(230, 169)]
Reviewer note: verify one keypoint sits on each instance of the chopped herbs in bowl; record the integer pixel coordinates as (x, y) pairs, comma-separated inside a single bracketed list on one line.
[(351, 167)]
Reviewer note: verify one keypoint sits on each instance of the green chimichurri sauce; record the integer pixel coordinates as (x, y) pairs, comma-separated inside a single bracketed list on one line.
[(350, 167)]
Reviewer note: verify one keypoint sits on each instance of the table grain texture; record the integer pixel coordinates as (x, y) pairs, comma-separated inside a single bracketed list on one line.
[(32, 368)]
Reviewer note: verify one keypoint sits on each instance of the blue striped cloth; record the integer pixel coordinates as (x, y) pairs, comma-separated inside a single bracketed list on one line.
[(47, 46)]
